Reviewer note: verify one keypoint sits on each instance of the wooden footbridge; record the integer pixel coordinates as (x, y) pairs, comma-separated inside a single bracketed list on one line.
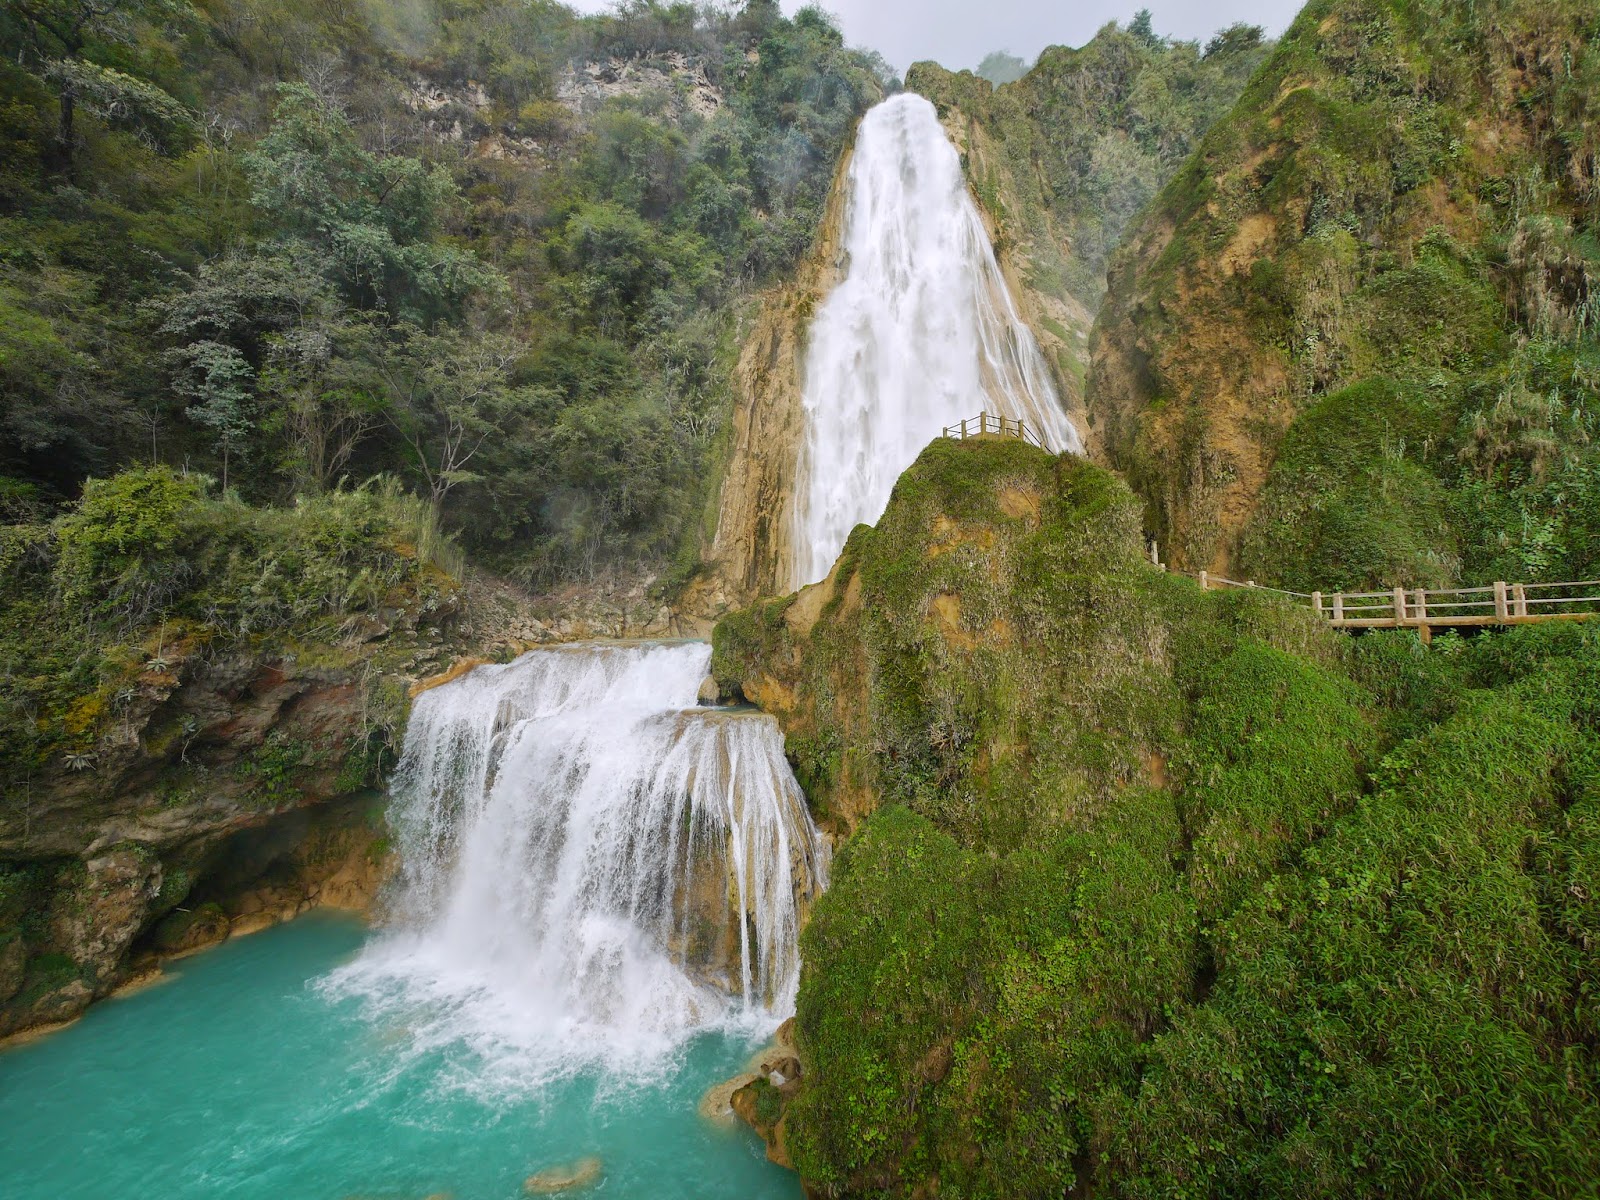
[(1427, 609)]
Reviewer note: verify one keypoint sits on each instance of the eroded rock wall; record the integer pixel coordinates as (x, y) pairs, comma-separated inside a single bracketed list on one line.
[(237, 789), (752, 544), (1355, 222)]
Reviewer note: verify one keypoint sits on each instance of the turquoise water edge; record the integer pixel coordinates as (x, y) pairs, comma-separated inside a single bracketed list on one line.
[(239, 1077)]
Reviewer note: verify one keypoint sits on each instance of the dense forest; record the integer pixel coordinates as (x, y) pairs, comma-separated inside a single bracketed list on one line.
[(291, 266)]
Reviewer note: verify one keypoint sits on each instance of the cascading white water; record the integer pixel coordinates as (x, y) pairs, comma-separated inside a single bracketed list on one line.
[(592, 867), (921, 333)]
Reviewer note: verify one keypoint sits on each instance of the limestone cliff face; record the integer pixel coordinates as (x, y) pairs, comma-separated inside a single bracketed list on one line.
[(1340, 228), (237, 791), (748, 554)]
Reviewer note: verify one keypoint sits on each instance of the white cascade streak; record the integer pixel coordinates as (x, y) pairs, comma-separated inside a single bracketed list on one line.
[(921, 333), (592, 868)]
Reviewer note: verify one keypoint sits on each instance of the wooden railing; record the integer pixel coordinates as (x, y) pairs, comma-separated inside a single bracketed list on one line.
[(1429, 608), (992, 425)]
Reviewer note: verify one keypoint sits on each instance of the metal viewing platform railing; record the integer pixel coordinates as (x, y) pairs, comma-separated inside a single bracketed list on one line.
[(993, 425)]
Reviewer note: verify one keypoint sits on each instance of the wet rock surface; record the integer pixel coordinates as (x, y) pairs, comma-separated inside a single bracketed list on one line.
[(569, 1177)]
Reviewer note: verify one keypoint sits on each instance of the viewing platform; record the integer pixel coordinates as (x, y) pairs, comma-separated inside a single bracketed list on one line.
[(993, 425)]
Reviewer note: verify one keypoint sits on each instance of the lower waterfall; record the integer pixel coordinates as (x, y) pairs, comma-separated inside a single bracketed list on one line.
[(592, 868)]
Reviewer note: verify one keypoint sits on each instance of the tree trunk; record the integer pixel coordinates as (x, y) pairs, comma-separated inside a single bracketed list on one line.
[(66, 131)]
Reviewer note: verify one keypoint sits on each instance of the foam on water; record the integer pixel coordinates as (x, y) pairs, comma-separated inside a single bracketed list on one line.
[(593, 869), (236, 1079), (921, 333)]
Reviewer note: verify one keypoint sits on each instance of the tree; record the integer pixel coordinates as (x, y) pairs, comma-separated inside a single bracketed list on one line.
[(1001, 66), (448, 394), (1142, 27), (316, 385), (373, 219), (219, 380), (307, 349), (60, 36)]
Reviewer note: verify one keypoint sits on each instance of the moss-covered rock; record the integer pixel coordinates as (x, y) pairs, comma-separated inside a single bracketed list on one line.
[(1348, 345), (1059, 765), (188, 930), (1153, 891)]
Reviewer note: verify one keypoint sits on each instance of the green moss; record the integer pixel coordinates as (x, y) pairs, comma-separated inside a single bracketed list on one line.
[(1156, 891), (186, 927), (45, 973)]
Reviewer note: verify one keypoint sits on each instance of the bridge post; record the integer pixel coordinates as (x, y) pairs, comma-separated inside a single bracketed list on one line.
[(1316, 602), (1519, 600), (1422, 604), (1205, 581), (1400, 606), (1338, 608), (1500, 611)]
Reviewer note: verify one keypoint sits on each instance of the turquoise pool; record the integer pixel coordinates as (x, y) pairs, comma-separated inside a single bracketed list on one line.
[(240, 1077)]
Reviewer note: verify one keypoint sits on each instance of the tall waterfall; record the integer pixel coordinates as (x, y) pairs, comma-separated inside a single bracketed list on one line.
[(921, 333), (592, 867)]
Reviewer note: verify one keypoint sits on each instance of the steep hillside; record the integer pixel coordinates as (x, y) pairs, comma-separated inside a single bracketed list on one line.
[(1062, 159), (495, 249), (1353, 341), (1147, 891)]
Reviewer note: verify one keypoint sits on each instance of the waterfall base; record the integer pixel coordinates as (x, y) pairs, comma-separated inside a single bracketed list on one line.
[(593, 868)]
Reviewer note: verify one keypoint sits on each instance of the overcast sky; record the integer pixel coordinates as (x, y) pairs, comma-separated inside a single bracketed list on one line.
[(958, 33)]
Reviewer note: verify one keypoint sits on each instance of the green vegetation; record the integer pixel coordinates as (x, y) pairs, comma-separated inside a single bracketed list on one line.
[(1156, 892), (99, 609), (1088, 136), (1352, 344), (294, 298), (293, 244)]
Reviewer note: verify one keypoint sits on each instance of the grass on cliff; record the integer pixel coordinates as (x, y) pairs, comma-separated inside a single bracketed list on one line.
[(1169, 892), (149, 569), (1394, 234)]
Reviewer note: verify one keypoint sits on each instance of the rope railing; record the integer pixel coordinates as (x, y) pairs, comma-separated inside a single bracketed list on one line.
[(987, 424)]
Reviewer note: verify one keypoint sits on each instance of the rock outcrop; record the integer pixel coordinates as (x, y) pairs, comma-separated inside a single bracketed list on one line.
[(751, 549), (676, 79), (1308, 339), (235, 788)]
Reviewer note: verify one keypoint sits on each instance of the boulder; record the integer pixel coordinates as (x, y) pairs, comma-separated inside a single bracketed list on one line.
[(780, 1071), (717, 1104), (566, 1178)]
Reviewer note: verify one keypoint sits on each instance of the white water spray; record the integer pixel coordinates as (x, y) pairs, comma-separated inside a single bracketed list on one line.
[(921, 333), (592, 868)]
